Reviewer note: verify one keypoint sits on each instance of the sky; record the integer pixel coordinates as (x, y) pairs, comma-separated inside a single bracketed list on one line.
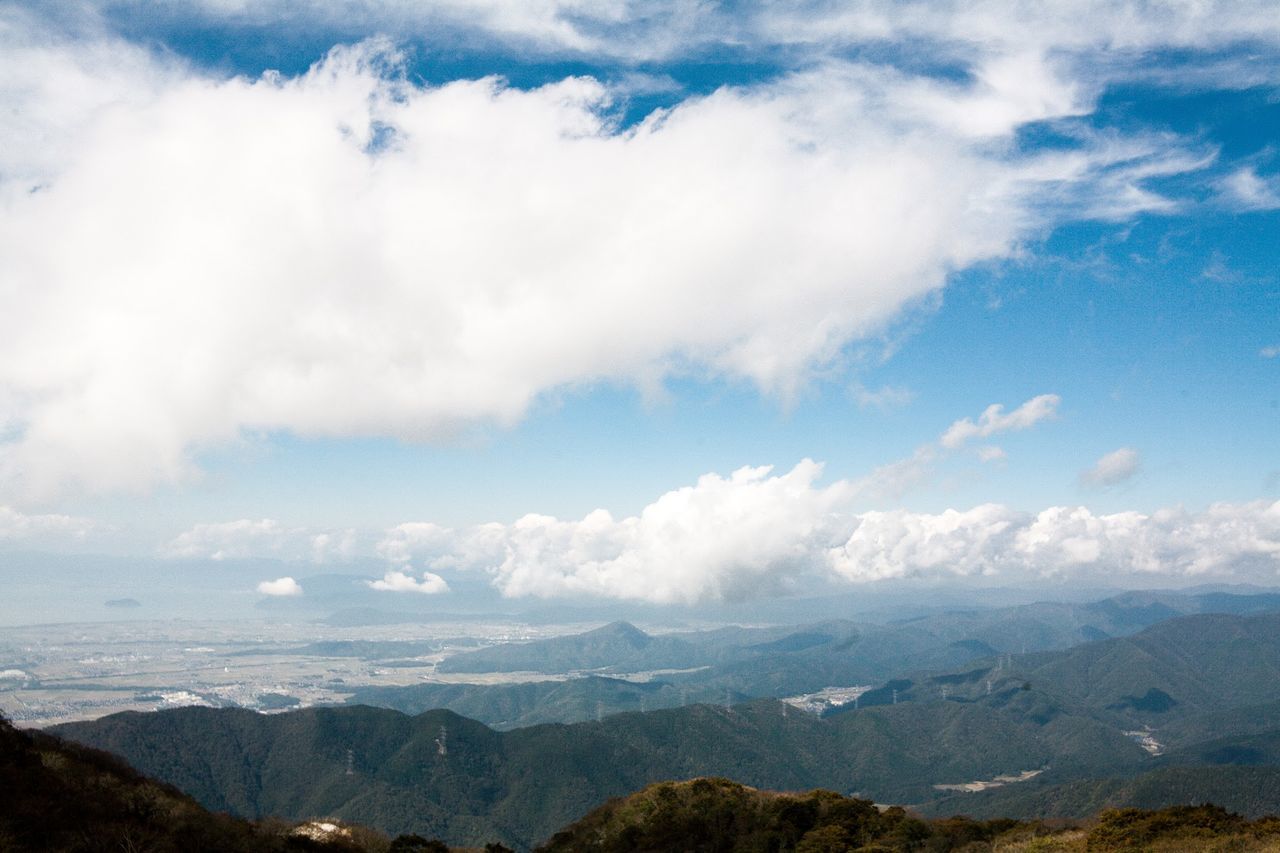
[(640, 300)]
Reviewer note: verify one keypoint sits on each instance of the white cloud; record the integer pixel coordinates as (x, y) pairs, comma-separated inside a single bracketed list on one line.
[(54, 527), (397, 581), (992, 453), (207, 257), (266, 537), (757, 533), (1227, 541), (402, 543), (901, 544), (1269, 352), (994, 420), (662, 29), (747, 535), (1247, 190), (1113, 468), (280, 586)]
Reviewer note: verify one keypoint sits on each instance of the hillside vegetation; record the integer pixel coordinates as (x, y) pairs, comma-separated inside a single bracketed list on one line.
[(441, 774), (718, 816), (58, 796), (62, 797)]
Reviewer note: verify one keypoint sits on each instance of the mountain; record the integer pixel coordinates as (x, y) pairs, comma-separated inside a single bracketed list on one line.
[(743, 663), (618, 646), (1094, 712), (68, 798), (441, 774), (65, 797), (511, 706), (1176, 669)]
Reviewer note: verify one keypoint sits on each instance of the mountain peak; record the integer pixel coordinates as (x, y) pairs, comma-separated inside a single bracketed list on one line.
[(621, 630)]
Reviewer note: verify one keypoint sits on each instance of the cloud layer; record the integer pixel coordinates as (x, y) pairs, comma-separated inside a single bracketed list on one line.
[(759, 533), (186, 259)]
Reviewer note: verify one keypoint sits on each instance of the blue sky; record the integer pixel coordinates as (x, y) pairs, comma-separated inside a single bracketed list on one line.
[(282, 279)]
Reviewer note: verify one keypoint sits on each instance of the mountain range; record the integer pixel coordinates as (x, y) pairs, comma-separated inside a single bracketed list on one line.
[(1123, 717)]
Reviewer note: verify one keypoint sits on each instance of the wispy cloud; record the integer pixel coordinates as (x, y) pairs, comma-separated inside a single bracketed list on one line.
[(884, 398), (16, 526), (667, 29), (265, 537), (1116, 467), (995, 420), (992, 453)]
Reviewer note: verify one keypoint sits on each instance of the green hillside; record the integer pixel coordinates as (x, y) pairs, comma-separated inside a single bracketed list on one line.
[(719, 815), (64, 797), (70, 799), (521, 785), (511, 706)]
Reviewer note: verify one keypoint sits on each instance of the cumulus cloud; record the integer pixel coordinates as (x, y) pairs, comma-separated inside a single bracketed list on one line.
[(905, 544), (1113, 468), (186, 258), (265, 537), (1236, 541), (749, 534), (397, 581), (1269, 352), (758, 533), (281, 587), (995, 420)]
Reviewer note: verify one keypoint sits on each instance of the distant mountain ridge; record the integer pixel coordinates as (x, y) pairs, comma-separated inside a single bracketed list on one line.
[(1057, 712), (742, 663)]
